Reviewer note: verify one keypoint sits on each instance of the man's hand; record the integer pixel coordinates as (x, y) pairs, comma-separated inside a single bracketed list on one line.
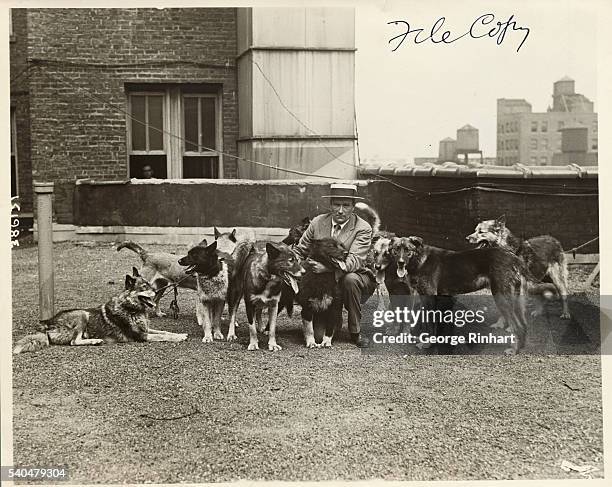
[(317, 267)]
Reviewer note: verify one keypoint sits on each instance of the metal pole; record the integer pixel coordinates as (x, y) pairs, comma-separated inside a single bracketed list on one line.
[(44, 195)]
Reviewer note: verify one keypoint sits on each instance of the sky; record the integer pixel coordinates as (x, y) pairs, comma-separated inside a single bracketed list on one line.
[(410, 99)]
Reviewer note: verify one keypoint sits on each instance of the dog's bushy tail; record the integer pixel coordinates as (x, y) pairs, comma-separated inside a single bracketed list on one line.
[(31, 343), (239, 255), (134, 247), (370, 215)]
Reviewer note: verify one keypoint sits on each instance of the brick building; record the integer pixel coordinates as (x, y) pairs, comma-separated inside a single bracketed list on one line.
[(532, 138), (100, 93)]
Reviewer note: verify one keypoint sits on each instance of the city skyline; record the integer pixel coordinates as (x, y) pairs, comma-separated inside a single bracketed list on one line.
[(425, 91)]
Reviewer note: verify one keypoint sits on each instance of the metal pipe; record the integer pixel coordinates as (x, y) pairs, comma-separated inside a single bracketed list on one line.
[(44, 206)]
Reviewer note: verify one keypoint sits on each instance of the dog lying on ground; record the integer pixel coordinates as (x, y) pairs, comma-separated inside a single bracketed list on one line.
[(542, 255), (429, 271), (122, 319), (212, 270), (319, 294), (162, 269), (260, 270)]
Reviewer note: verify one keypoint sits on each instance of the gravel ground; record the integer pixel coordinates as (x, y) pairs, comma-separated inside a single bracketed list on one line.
[(190, 412)]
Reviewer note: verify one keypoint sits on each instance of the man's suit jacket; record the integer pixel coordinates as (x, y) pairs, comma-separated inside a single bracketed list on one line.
[(356, 236)]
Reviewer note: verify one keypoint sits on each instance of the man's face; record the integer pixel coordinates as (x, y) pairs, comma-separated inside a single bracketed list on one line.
[(342, 209), (147, 172)]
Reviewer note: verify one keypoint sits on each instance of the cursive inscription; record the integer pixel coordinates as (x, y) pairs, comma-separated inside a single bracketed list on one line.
[(481, 27)]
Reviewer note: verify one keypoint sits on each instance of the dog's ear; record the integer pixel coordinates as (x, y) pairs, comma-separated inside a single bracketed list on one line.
[(203, 243), (217, 233), (212, 246), (306, 221), (375, 239), (232, 236), (416, 241), (501, 221), (135, 272), (129, 282), (272, 250)]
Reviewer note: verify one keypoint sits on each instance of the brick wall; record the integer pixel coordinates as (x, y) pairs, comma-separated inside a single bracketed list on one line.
[(20, 105), (85, 57)]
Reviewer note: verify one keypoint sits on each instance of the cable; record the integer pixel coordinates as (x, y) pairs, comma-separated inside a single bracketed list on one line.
[(154, 63)]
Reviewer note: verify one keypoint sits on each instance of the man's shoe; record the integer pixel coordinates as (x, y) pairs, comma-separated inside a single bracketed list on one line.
[(360, 340)]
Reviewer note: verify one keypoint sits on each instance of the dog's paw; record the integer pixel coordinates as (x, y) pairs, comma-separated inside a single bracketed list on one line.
[(159, 313), (326, 342), (207, 339), (97, 341), (231, 338), (274, 347), (218, 335), (510, 351), (311, 343), (253, 346), (566, 316)]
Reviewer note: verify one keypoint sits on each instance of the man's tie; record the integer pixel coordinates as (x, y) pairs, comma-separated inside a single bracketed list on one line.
[(336, 230)]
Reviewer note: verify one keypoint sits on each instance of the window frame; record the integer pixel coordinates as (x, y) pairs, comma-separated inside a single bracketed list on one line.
[(155, 152), (173, 120)]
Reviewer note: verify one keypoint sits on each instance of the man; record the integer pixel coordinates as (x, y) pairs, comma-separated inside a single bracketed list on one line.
[(147, 172), (356, 281)]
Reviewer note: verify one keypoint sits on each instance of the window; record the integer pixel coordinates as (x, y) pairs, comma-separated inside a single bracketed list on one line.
[(560, 125), (544, 126), (533, 160), (558, 143), (534, 126), (176, 130), (200, 159), (543, 160), (594, 145), (500, 128), (534, 144), (14, 178), (595, 126), (544, 144)]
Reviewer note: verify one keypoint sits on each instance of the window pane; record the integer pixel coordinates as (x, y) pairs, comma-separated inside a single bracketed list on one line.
[(208, 124), (200, 167), (191, 124), (157, 163), (138, 121), (156, 121)]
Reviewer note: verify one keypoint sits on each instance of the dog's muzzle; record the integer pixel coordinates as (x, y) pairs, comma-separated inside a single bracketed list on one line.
[(146, 300), (401, 269)]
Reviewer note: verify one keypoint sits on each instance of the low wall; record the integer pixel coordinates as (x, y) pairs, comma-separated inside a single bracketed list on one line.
[(441, 206)]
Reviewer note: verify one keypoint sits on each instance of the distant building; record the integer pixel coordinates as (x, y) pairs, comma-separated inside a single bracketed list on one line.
[(462, 150), (532, 138)]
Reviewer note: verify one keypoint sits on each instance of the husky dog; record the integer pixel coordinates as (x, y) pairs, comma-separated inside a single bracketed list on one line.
[(212, 272), (319, 294), (542, 255), (259, 273), (122, 319), (296, 232), (427, 271)]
